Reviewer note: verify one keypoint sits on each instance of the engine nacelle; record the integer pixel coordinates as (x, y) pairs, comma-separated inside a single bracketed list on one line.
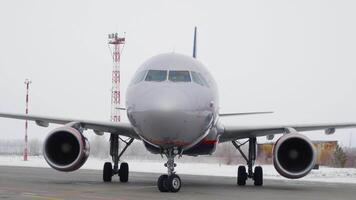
[(66, 149), (294, 156)]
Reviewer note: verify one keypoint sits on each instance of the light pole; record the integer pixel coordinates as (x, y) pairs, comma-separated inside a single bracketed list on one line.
[(25, 152)]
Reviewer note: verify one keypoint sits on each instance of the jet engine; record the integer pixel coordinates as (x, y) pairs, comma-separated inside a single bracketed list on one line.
[(294, 156), (66, 149)]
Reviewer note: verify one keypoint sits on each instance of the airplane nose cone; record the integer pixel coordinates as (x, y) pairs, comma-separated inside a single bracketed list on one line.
[(165, 99), (169, 117)]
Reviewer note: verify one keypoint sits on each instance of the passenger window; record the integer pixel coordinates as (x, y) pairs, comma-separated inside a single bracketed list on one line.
[(139, 77), (156, 75), (179, 76)]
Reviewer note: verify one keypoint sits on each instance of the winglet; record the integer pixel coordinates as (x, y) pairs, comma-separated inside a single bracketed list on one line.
[(195, 43)]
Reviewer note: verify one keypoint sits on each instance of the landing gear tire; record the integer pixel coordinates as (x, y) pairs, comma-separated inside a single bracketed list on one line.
[(241, 176), (107, 172), (258, 176), (170, 183), (124, 172), (162, 183), (174, 183), (257, 173)]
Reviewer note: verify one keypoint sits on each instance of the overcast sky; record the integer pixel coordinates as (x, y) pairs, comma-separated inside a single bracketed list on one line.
[(296, 58)]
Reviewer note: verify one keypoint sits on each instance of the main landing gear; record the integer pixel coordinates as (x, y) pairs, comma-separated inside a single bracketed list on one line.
[(123, 171), (242, 175), (169, 182)]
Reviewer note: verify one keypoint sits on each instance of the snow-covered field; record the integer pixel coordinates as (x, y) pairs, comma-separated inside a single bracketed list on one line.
[(324, 174)]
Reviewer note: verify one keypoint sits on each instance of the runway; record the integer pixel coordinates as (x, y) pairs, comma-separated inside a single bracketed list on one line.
[(44, 183)]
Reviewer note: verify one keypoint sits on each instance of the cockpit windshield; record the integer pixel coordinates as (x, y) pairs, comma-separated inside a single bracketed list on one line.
[(139, 77), (156, 75), (204, 80), (196, 78), (199, 79), (173, 76), (179, 76)]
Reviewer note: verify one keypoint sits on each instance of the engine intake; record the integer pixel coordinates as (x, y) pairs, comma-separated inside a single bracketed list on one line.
[(294, 156), (66, 149)]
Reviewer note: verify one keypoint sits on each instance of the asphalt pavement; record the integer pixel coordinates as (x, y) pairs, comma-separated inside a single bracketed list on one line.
[(45, 183)]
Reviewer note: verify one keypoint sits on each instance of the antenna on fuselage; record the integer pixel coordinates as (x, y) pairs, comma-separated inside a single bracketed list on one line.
[(195, 43)]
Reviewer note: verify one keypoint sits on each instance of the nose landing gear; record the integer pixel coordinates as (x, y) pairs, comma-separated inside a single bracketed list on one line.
[(109, 171), (169, 182)]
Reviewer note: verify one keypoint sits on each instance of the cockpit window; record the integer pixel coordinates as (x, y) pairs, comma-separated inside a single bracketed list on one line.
[(179, 76), (199, 79), (139, 77), (156, 75), (204, 80)]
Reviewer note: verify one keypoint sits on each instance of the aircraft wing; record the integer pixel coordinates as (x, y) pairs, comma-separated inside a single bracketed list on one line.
[(120, 128), (231, 133), (243, 113)]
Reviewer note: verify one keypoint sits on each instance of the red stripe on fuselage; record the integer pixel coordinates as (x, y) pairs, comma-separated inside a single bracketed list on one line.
[(209, 141)]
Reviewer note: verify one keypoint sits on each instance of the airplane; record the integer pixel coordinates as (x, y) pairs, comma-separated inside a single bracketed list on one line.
[(172, 105)]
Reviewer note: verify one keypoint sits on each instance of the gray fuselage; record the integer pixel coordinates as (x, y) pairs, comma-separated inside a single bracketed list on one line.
[(172, 102)]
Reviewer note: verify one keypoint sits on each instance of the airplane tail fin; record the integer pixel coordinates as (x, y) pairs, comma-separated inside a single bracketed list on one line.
[(195, 43)]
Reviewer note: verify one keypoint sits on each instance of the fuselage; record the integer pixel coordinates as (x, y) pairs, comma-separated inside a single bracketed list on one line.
[(172, 102)]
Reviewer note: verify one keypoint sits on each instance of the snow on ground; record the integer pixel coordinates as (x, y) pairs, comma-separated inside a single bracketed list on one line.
[(324, 174)]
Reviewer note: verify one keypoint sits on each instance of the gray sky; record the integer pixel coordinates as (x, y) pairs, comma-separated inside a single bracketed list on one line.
[(296, 58)]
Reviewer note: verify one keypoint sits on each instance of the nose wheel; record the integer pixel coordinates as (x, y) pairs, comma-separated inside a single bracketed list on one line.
[(169, 182)]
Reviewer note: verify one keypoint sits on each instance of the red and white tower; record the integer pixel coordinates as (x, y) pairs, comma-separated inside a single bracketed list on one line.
[(116, 45), (25, 152)]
